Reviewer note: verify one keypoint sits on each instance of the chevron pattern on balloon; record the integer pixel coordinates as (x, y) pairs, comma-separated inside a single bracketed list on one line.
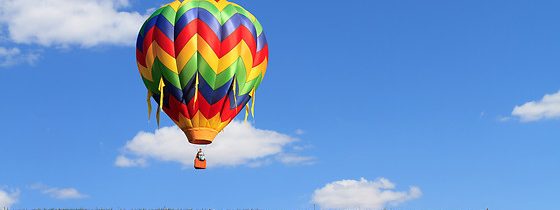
[(202, 61)]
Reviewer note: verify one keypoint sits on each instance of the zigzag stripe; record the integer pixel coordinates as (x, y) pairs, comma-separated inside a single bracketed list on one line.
[(235, 22), (198, 14)]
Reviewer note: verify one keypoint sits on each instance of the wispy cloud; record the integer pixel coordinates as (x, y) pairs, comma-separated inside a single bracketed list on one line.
[(295, 159), (59, 193), (64, 23), (546, 108), (362, 194), (8, 198), (123, 161), (14, 56), (239, 144)]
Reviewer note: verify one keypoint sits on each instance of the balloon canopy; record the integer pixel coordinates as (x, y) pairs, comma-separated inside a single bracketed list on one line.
[(202, 61)]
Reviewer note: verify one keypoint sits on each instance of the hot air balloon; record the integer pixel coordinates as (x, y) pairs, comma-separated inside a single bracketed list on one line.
[(202, 61)]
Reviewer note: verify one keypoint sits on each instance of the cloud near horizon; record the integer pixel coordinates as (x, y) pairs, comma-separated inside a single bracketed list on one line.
[(59, 193), (7, 199), (362, 194), (546, 108), (63, 23), (239, 144)]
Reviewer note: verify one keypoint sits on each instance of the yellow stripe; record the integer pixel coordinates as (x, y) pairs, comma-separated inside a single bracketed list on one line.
[(257, 70), (234, 91), (246, 112), (145, 72), (150, 57), (215, 122), (175, 5), (167, 60), (262, 66), (186, 53), (223, 125), (196, 89), (253, 104), (195, 120), (184, 122), (247, 57), (199, 120), (149, 101), (208, 54), (220, 5), (160, 88), (240, 50)]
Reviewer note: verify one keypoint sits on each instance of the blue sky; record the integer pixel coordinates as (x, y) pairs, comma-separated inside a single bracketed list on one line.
[(421, 93)]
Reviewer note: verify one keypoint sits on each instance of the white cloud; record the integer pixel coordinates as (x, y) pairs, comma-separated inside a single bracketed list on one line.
[(123, 161), (59, 193), (547, 108), (239, 144), (13, 56), (300, 131), (84, 23), (362, 194), (7, 199), (291, 159)]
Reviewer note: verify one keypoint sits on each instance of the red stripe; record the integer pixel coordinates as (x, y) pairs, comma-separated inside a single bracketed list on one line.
[(192, 107), (141, 58), (175, 108), (184, 36), (261, 55), (209, 111), (164, 42), (227, 113), (194, 27), (148, 39), (241, 33), (209, 36)]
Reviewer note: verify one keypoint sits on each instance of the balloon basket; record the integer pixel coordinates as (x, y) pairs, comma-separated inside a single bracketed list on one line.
[(199, 164)]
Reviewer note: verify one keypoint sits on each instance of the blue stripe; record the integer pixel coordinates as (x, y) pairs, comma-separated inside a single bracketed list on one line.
[(234, 22), (166, 27), (261, 42), (241, 100), (211, 95), (139, 43), (145, 28), (198, 13), (148, 25)]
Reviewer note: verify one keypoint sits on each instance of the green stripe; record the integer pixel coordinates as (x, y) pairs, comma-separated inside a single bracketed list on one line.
[(169, 14), (189, 70), (240, 75), (206, 71), (226, 75), (198, 4), (156, 76), (258, 27), (227, 13), (247, 87), (150, 85), (169, 75)]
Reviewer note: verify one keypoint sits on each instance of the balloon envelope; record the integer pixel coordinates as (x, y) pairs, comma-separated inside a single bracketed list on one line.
[(202, 61)]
